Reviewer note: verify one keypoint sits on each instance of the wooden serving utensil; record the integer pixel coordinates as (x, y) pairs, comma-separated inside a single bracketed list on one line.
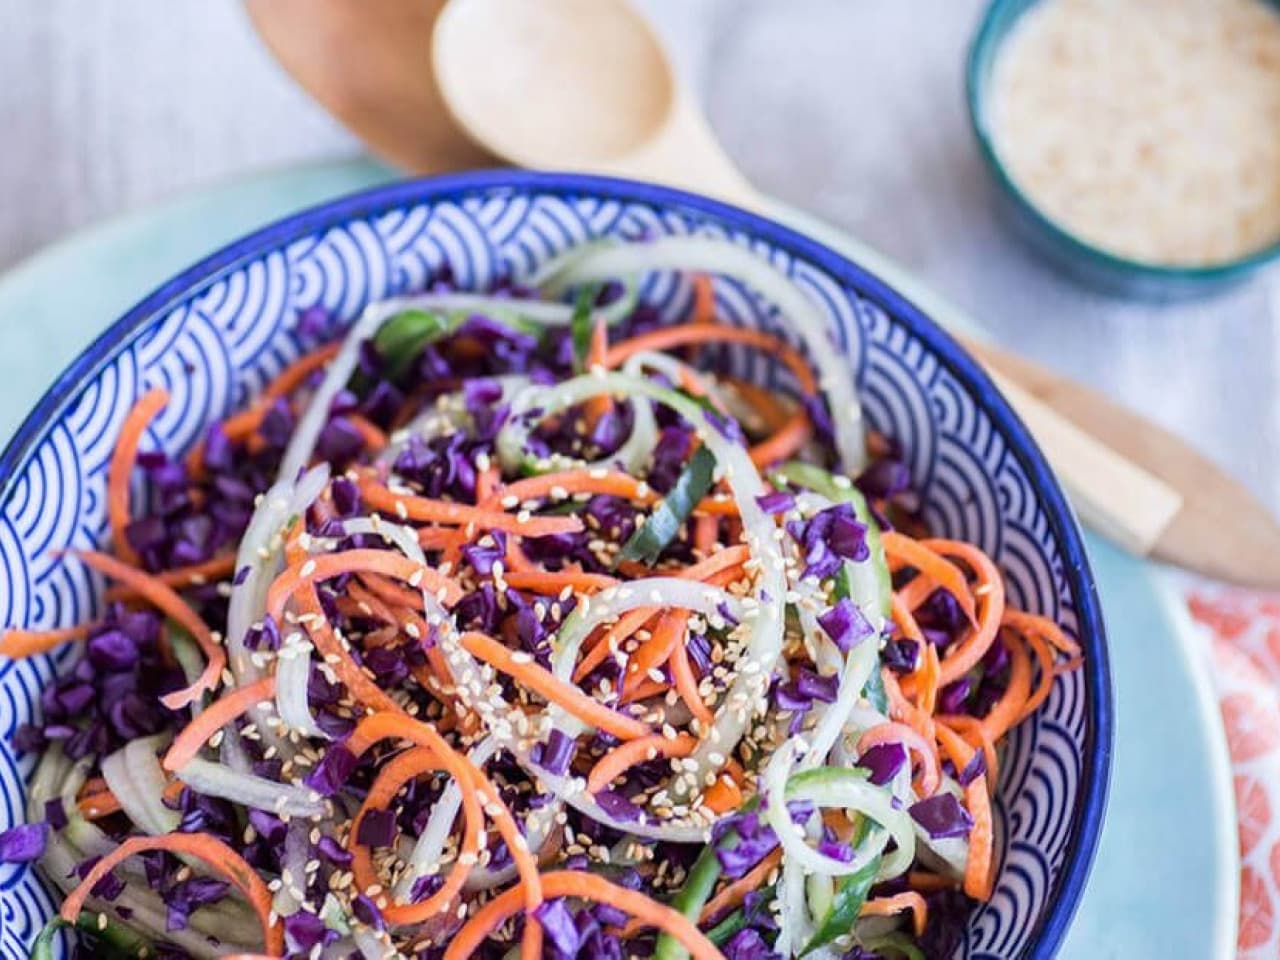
[(585, 85), (369, 64), (1219, 528)]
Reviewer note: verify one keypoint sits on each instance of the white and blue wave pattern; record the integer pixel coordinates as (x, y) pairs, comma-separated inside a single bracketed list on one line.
[(219, 333)]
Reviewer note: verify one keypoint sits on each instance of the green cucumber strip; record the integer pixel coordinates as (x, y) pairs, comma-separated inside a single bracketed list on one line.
[(875, 692), (850, 894), (697, 889), (580, 325), (404, 335), (114, 939), (664, 523), (693, 896), (724, 931)]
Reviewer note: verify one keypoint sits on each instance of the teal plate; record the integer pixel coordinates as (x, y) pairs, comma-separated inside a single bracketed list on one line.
[(1165, 879)]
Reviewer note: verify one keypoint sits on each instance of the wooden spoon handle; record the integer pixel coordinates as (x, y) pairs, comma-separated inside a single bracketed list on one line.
[(1221, 530), (685, 153), (1110, 493)]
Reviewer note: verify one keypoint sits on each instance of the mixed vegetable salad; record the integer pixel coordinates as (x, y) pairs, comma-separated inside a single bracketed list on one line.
[(514, 624)]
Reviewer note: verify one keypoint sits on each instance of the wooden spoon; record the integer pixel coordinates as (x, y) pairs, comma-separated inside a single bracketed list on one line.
[(368, 62), (585, 85), (596, 92)]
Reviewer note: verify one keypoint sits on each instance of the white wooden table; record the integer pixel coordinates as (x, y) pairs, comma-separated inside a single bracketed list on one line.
[(851, 109)]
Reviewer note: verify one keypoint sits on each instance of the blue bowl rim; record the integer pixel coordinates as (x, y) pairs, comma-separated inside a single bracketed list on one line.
[(987, 38), (1098, 746)]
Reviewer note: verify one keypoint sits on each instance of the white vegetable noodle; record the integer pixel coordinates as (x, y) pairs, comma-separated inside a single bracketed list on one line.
[(710, 255)]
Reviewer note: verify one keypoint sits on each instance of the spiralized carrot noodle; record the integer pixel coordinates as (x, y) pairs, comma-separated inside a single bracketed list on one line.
[(211, 851), (119, 470)]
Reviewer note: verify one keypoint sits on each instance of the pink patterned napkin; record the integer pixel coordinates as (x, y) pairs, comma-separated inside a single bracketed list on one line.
[(1244, 633)]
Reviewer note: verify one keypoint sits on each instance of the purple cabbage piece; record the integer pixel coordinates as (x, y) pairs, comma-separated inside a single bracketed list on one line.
[(748, 944), (346, 496), (776, 501), (482, 558), (481, 400), (55, 814), (479, 610), (942, 816), (900, 656), (277, 425), (264, 635), (333, 771), (941, 617), (828, 538), (559, 927), (388, 664), (383, 402), (845, 624), (334, 852), (75, 699), (367, 912), (884, 479), (303, 932), (23, 843), (806, 687), (555, 755), (618, 806), (609, 915), (830, 846), (669, 457), (955, 695), (442, 465), (884, 760), (343, 402), (726, 426), (949, 912), (755, 841), (187, 896), (424, 887), (108, 886), (112, 650), (339, 441), (975, 768), (219, 455), (28, 738), (996, 660), (377, 828)]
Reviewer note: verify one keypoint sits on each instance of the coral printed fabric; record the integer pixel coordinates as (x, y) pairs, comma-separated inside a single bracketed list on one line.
[(1245, 636)]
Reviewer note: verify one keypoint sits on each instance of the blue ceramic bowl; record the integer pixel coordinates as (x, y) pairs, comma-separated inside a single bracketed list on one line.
[(213, 335), (1074, 256)]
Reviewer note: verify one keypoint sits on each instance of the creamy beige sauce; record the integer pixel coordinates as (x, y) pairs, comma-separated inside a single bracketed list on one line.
[(1150, 128)]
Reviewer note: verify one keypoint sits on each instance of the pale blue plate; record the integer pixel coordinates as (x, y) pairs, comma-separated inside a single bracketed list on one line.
[(1165, 879)]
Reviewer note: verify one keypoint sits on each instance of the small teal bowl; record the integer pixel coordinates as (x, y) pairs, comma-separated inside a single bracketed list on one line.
[(216, 333), (1078, 258)]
